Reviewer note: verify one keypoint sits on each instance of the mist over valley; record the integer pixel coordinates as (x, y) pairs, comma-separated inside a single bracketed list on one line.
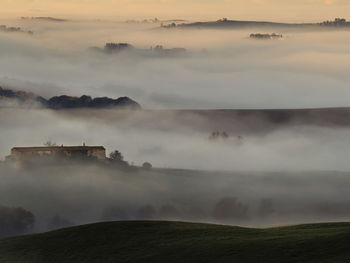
[(237, 131)]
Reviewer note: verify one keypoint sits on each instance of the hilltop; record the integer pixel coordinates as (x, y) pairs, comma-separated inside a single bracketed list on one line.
[(142, 241)]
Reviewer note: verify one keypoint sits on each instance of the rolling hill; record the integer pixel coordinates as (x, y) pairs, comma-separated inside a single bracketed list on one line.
[(142, 241), (235, 24)]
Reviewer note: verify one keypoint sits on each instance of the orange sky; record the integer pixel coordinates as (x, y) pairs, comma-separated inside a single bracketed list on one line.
[(283, 10)]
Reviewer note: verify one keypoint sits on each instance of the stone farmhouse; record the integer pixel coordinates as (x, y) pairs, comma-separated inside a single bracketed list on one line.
[(23, 154)]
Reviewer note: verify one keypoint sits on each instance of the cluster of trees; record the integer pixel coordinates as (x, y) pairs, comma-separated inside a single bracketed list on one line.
[(117, 158), (4, 28), (218, 135), (265, 36), (10, 29), (160, 50), (15, 221), (116, 47), (144, 21), (229, 208), (335, 22), (226, 209), (222, 20), (49, 143), (28, 99), (171, 25)]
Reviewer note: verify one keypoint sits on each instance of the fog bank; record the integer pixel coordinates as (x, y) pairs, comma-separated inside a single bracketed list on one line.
[(222, 69), (183, 139), (75, 194)]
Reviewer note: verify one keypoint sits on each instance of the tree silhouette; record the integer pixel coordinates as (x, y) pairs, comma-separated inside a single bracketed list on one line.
[(116, 156), (147, 166), (49, 143), (15, 221)]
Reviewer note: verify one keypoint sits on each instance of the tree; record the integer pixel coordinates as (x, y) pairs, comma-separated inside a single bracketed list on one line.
[(15, 221), (116, 156), (50, 143), (147, 166), (230, 208), (224, 135), (218, 135)]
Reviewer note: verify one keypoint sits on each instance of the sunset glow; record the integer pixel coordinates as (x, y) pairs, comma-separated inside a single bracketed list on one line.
[(299, 10)]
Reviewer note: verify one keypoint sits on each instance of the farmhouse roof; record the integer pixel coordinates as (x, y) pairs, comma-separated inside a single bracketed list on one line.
[(57, 148)]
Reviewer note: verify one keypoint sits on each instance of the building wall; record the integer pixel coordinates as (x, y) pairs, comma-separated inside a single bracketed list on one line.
[(17, 155), (100, 154)]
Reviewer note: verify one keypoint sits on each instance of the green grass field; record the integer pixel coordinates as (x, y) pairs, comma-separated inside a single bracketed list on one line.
[(181, 242)]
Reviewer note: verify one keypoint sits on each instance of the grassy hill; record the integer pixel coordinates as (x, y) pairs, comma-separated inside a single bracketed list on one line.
[(181, 242)]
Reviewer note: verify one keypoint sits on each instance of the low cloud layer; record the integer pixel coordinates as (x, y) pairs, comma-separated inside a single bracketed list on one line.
[(78, 194), (182, 140), (277, 172), (223, 69)]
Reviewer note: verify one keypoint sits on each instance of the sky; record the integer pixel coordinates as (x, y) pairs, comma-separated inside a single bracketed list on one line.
[(297, 10)]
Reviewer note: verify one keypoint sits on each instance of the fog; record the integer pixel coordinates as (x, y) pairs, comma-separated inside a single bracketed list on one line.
[(286, 174), (182, 139), (305, 69), (262, 172), (84, 194)]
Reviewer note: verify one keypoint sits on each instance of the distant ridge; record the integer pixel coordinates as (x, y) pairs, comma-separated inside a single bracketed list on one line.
[(46, 18), (226, 23), (10, 98)]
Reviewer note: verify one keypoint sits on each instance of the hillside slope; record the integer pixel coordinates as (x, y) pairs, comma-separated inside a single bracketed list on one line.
[(181, 242)]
